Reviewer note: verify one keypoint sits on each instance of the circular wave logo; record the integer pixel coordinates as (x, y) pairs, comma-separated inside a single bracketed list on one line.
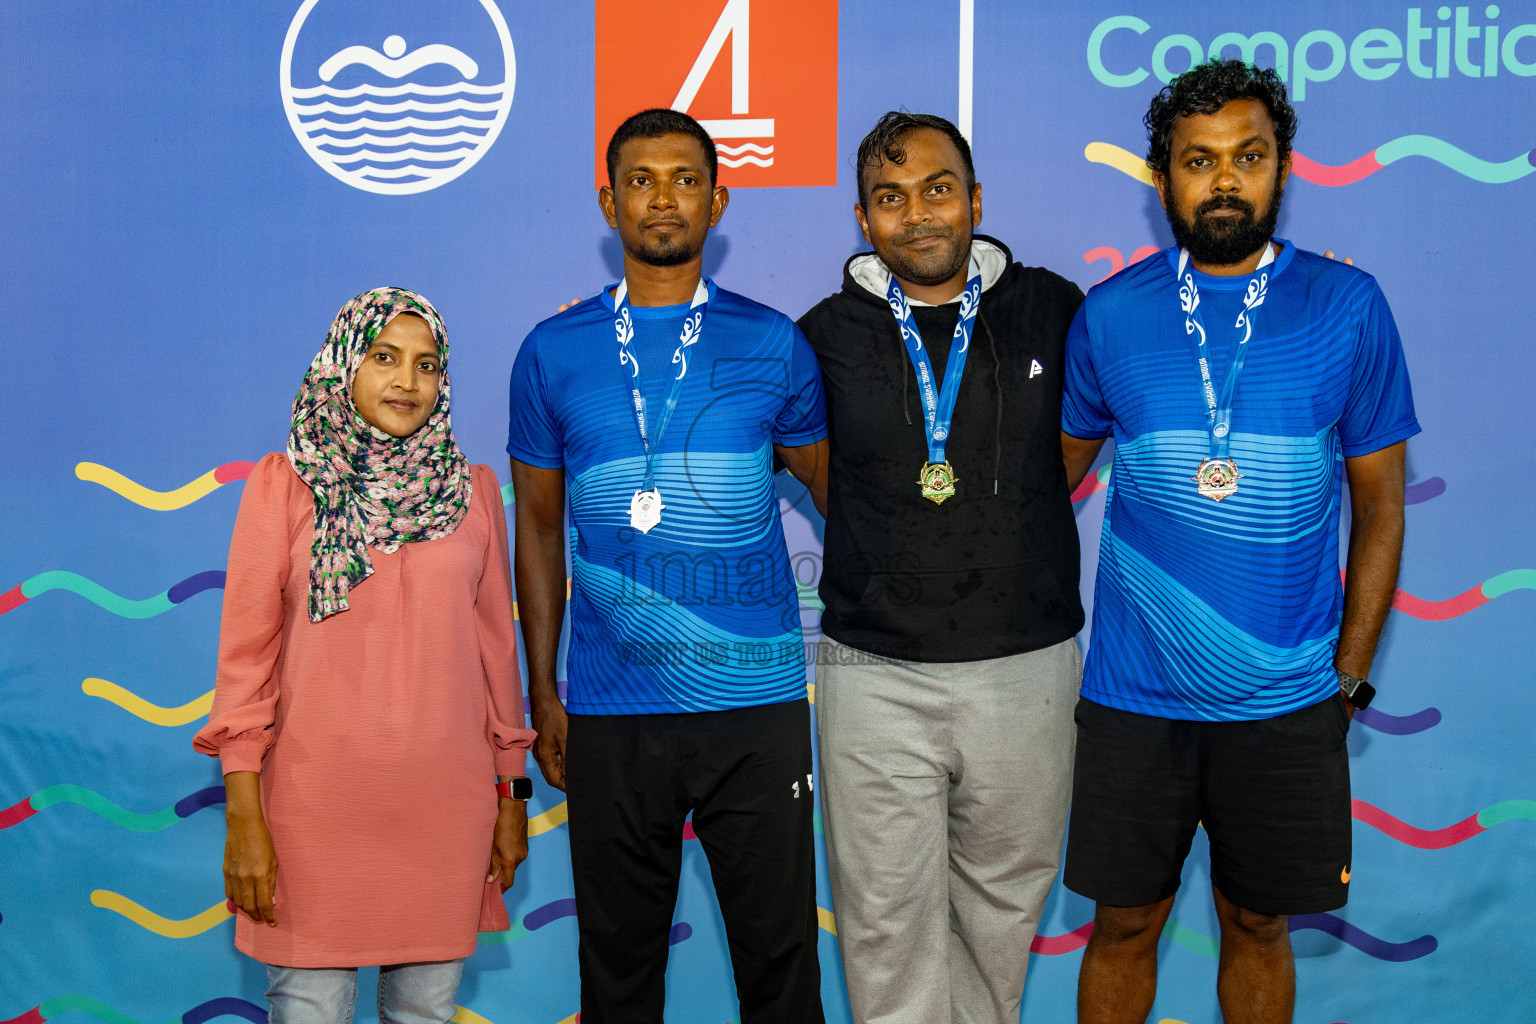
[(387, 107)]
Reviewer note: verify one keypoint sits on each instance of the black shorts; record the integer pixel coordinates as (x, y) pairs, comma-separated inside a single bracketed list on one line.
[(1272, 795)]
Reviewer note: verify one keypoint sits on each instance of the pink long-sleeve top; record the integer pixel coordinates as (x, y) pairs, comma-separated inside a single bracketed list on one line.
[(378, 732)]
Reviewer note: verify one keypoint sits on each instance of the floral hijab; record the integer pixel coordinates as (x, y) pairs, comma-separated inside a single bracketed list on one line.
[(371, 489)]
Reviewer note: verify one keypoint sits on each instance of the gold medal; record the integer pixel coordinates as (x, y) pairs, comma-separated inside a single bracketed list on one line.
[(937, 481), (1216, 478)]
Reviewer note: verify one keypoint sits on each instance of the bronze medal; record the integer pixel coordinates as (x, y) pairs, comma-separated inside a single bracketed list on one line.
[(1216, 478), (937, 480)]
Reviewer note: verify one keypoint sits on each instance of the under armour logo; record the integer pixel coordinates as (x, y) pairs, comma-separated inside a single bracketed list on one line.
[(810, 787), (1035, 368)]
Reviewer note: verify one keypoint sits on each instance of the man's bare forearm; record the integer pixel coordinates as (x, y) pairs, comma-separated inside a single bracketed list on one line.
[(1375, 551), (1370, 581), (539, 571)]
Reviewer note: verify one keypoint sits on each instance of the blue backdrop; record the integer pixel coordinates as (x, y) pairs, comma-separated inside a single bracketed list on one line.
[(178, 230)]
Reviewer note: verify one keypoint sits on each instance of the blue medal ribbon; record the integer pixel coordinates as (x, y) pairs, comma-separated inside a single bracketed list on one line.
[(938, 399), (629, 367), (1218, 407)]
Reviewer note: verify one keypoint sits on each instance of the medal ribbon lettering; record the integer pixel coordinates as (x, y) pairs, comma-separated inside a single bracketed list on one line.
[(1217, 476), (938, 399)]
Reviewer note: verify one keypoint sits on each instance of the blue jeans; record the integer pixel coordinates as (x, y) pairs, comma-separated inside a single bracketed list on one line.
[(408, 993)]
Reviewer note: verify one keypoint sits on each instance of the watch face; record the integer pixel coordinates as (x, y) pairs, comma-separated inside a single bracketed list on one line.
[(522, 788)]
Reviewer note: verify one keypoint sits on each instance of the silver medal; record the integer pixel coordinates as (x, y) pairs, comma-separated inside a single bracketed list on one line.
[(645, 509)]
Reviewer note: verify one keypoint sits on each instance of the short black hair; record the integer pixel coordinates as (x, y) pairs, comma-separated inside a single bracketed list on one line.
[(653, 124), (885, 142), (1205, 89)]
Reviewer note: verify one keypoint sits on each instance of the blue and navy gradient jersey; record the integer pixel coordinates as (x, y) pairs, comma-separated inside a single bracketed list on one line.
[(700, 613), (1228, 610)]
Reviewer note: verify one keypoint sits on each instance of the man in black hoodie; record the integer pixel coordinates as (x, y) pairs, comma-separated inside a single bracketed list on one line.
[(949, 670)]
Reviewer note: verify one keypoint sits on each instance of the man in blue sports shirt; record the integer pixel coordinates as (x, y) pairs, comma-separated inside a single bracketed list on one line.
[(1238, 375), (658, 406)]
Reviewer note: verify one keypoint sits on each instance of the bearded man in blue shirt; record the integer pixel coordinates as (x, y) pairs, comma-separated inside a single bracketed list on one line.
[(1242, 379)]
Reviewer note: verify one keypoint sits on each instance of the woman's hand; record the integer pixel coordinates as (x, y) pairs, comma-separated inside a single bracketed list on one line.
[(509, 843), (250, 860)]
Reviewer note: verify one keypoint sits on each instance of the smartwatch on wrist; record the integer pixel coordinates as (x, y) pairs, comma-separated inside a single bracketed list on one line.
[(520, 788), (1359, 692)]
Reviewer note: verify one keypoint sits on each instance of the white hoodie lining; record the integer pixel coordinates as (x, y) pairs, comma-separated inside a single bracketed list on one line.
[(873, 275)]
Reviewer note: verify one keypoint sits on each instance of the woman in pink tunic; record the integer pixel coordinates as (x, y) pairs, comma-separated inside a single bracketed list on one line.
[(367, 696)]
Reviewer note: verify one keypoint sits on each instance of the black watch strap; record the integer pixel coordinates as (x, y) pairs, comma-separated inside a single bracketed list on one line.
[(1359, 692)]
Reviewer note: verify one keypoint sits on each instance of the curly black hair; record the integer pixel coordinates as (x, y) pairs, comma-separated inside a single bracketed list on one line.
[(1205, 89), (884, 142), (653, 124)]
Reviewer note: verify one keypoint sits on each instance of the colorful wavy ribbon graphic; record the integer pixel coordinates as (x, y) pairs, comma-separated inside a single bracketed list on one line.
[(1451, 607), (553, 818), (1398, 725), (1391, 952), (141, 708), (1066, 942), (164, 926), (1204, 945), (100, 596), (227, 1006), (164, 501), (1440, 838), (1423, 490), (1307, 169), (183, 808), (1092, 483), (186, 494), (810, 597), (102, 807)]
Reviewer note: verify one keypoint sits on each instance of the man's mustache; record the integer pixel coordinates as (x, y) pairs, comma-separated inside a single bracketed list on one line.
[(1225, 203), (923, 231)]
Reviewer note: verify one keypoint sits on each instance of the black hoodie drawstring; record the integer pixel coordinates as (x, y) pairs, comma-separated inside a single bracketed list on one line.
[(906, 381)]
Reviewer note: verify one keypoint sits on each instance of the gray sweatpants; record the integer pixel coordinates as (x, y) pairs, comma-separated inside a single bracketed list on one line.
[(944, 791)]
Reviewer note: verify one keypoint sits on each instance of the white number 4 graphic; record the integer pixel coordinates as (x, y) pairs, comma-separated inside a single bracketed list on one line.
[(734, 24)]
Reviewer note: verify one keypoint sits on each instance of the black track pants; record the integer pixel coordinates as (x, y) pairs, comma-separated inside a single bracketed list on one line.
[(746, 776)]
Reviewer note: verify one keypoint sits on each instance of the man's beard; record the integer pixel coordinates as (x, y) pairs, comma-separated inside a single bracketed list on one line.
[(665, 252), (939, 268), (1222, 242)]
